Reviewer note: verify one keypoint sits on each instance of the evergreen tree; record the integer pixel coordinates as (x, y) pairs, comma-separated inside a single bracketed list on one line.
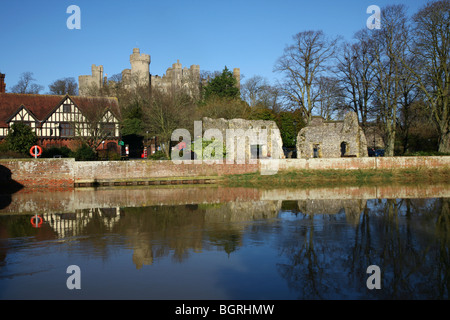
[(20, 138), (222, 86)]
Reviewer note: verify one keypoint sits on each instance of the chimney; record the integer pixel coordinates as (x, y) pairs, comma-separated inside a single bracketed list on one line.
[(2, 83)]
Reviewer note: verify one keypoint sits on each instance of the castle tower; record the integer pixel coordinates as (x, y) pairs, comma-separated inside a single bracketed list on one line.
[(140, 68), (92, 82), (195, 73), (237, 76), (97, 75)]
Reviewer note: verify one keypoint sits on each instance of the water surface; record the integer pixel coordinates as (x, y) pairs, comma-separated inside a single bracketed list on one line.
[(227, 243)]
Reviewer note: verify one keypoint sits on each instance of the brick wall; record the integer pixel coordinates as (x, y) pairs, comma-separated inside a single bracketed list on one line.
[(65, 173), (57, 173)]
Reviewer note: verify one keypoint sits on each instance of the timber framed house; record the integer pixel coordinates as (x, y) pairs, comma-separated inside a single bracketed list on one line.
[(63, 120)]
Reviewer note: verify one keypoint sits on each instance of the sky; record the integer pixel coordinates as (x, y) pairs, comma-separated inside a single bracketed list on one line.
[(246, 34)]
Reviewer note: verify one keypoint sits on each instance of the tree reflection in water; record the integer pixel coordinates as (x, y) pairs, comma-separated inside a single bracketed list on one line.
[(324, 245), (407, 238)]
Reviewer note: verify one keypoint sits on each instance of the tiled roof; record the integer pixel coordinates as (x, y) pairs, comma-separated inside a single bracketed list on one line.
[(42, 106)]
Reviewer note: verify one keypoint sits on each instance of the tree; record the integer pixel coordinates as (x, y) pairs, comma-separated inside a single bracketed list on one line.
[(26, 85), (64, 86), (431, 48), (164, 112), (254, 89), (257, 92), (225, 107), (222, 86), (290, 123), (355, 69), (132, 123), (330, 98), (301, 64), (389, 48), (20, 138)]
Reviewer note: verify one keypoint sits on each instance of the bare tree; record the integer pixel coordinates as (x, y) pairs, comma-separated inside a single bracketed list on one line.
[(389, 46), (331, 97), (64, 86), (257, 91), (356, 71), (166, 111), (26, 85), (431, 49), (301, 64), (253, 89)]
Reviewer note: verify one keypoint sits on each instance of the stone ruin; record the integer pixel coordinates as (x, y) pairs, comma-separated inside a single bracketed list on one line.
[(252, 139), (332, 139)]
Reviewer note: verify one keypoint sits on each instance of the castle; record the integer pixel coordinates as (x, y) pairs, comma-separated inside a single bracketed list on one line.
[(139, 75)]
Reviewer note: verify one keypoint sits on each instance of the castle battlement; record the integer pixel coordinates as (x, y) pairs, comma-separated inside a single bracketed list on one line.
[(136, 56), (139, 74)]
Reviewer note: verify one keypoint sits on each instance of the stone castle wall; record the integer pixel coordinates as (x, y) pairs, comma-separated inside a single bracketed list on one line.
[(139, 74)]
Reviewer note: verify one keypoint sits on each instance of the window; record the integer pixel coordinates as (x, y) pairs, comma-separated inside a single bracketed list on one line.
[(256, 150), (66, 130), (27, 123), (66, 108), (109, 129)]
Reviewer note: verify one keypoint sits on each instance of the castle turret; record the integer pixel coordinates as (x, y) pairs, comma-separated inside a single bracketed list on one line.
[(237, 76), (140, 68)]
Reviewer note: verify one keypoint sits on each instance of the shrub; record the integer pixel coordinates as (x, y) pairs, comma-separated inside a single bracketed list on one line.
[(54, 151), (158, 155), (20, 138), (84, 153)]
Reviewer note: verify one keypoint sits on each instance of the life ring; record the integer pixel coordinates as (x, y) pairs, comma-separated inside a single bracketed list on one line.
[(38, 223), (32, 151), (182, 145)]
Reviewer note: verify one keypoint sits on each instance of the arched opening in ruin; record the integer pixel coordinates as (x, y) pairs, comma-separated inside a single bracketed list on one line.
[(344, 147), (316, 151)]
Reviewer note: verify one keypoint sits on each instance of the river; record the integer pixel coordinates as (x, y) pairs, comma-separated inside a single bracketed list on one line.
[(213, 242)]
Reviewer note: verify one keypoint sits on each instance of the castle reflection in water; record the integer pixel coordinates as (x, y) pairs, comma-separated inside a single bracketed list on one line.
[(397, 227)]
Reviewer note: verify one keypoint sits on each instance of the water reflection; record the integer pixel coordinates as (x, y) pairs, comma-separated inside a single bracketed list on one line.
[(407, 238), (294, 244)]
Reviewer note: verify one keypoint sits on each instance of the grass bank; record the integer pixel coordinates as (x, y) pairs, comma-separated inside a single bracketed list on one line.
[(324, 178)]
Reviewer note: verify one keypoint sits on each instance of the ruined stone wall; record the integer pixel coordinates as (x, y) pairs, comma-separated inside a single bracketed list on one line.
[(253, 132), (331, 139)]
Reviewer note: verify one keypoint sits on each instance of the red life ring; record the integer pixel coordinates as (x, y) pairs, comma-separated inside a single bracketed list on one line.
[(182, 145), (32, 151), (38, 223)]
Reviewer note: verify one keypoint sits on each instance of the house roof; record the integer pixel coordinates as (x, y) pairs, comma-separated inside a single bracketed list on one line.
[(42, 106)]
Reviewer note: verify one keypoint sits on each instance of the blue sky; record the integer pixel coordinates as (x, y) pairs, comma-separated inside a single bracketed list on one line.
[(247, 34)]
